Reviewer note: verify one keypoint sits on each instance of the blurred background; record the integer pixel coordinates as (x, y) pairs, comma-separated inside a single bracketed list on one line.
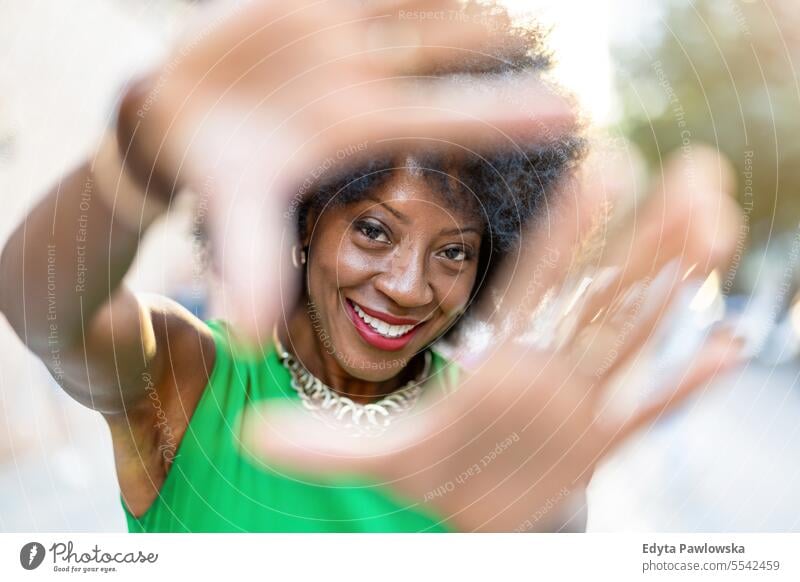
[(653, 76)]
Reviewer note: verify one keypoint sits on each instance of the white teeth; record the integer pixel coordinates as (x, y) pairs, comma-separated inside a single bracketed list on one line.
[(383, 328)]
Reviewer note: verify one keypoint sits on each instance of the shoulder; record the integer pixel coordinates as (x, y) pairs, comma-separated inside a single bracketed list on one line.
[(186, 345), (145, 435)]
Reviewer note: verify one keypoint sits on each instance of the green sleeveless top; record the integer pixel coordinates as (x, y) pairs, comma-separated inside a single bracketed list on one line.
[(213, 487)]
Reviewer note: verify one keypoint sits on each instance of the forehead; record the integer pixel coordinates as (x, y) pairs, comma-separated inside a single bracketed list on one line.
[(415, 187)]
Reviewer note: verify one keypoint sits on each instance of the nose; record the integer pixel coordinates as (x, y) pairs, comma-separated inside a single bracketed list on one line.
[(405, 280)]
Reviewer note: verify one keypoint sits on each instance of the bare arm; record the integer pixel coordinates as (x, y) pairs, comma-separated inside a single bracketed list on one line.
[(61, 290)]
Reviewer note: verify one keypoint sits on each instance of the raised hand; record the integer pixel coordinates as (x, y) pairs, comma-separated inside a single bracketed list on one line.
[(526, 429), (265, 96)]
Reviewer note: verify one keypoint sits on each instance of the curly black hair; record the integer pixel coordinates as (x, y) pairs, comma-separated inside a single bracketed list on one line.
[(504, 188)]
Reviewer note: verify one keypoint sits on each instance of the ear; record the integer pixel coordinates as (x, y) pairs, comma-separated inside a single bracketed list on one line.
[(308, 228)]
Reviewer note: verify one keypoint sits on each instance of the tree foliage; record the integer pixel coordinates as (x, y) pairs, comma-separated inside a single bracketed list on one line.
[(723, 72)]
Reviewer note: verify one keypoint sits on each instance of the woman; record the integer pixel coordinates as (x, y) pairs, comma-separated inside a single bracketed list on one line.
[(396, 241)]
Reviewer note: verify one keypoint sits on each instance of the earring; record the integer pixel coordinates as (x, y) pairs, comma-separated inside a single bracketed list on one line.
[(299, 258)]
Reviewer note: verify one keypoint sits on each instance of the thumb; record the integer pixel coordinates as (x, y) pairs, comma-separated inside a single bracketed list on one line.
[(252, 243), (291, 437)]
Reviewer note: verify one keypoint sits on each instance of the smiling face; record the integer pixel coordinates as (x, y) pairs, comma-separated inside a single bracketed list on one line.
[(389, 274)]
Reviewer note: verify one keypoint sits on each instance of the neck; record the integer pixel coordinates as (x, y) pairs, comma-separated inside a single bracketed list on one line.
[(300, 338)]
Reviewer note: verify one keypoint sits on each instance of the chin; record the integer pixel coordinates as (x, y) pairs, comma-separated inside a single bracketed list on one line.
[(371, 368)]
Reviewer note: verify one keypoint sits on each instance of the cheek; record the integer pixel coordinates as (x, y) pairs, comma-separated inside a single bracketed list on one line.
[(455, 292), (338, 263), (353, 263)]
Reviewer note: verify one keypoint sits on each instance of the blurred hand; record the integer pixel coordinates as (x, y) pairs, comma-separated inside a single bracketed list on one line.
[(264, 95), (504, 451)]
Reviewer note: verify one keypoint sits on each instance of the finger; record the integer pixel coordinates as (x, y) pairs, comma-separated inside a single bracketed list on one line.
[(618, 334), (690, 216), (721, 354), (435, 115), (440, 37), (251, 244), (585, 228), (696, 228), (549, 254), (475, 113), (388, 7), (294, 439)]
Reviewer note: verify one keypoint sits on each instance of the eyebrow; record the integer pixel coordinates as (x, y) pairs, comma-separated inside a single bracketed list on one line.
[(460, 231), (397, 214), (404, 218)]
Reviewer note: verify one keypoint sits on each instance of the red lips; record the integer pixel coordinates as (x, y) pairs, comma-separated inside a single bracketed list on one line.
[(387, 317), (376, 340)]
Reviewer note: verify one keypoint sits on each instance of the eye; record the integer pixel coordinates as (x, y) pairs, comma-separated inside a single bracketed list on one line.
[(455, 254), (372, 230)]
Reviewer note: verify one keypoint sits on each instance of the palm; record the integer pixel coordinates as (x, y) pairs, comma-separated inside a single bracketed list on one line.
[(547, 402)]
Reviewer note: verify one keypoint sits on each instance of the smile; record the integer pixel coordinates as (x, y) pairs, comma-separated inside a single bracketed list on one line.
[(382, 327), (383, 331)]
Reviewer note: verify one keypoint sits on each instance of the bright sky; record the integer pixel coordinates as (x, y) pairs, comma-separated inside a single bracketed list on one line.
[(580, 38)]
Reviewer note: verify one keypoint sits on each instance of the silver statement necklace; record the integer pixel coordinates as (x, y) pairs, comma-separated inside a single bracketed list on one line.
[(341, 412)]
